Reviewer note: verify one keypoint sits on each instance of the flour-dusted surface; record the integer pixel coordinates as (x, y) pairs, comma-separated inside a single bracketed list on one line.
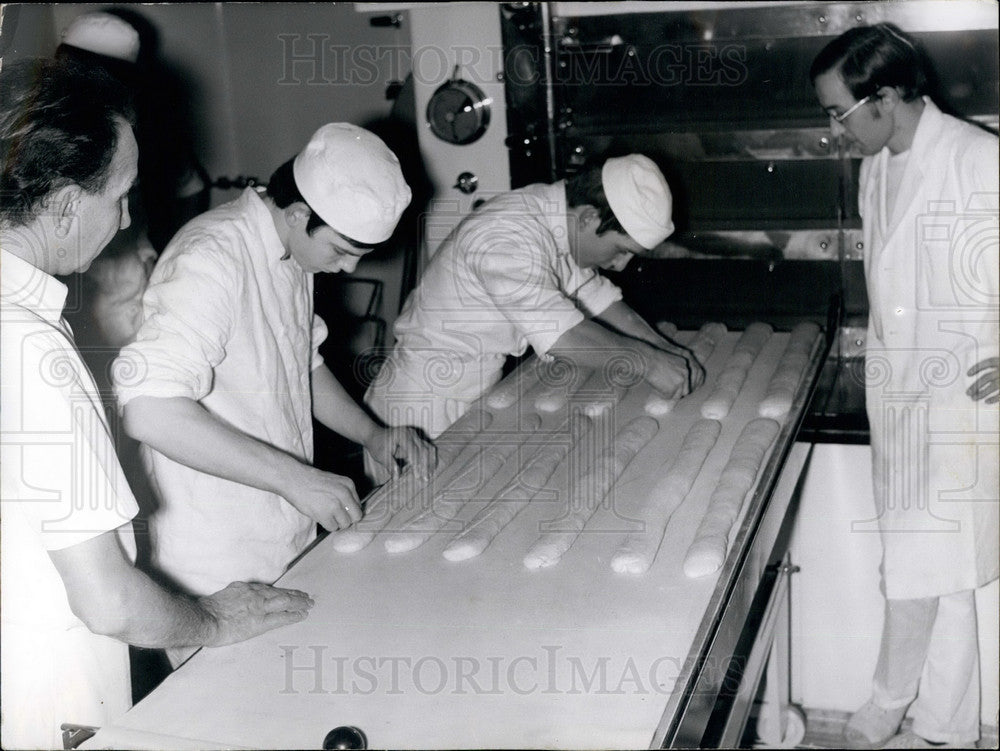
[(423, 652)]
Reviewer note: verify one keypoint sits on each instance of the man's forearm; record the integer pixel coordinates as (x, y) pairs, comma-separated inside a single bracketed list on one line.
[(589, 344), (186, 432), (115, 599), (627, 322), (335, 408)]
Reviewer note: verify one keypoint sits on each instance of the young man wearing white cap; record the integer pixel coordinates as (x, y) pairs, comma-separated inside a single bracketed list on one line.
[(224, 377), (521, 271)]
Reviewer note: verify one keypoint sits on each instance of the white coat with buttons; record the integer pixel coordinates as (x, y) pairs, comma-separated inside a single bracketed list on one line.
[(931, 267)]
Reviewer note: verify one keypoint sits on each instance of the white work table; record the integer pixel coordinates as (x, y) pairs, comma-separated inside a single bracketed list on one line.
[(421, 652)]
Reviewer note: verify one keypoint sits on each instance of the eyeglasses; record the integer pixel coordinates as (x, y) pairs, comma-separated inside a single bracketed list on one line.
[(850, 110)]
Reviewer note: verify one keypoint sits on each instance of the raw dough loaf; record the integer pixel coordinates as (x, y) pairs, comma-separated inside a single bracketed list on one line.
[(517, 494), (506, 393), (397, 496), (638, 550), (552, 399), (590, 491), (603, 393), (709, 335), (708, 550), (781, 388), (468, 478), (727, 387)]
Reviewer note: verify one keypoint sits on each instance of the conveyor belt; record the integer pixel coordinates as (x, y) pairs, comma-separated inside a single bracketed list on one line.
[(422, 652)]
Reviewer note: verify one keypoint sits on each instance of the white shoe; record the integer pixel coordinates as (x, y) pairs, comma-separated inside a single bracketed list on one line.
[(871, 726), (912, 740)]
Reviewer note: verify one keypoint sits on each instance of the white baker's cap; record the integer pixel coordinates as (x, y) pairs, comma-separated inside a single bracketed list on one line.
[(352, 180), (639, 196), (103, 34)]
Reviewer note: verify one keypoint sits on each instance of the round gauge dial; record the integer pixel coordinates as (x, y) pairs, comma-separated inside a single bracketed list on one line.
[(458, 112)]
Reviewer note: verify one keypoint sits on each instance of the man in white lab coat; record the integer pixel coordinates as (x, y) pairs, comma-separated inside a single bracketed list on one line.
[(72, 599), (225, 377), (521, 271), (929, 204)]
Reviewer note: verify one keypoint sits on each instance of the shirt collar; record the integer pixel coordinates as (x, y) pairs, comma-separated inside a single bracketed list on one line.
[(554, 213), (268, 232), (31, 288)]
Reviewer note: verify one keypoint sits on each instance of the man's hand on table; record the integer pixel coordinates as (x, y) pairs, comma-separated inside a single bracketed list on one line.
[(245, 609)]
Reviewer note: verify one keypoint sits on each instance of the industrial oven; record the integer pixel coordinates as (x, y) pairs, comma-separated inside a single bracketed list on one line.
[(418, 650)]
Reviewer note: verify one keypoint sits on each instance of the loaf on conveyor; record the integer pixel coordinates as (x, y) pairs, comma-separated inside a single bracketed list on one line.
[(708, 336), (731, 380), (638, 550), (590, 491), (395, 498), (793, 363), (708, 550), (469, 479), (515, 496)]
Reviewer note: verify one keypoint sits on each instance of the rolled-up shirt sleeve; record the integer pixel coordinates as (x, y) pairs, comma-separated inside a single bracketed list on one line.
[(188, 316), (514, 268), (319, 334), (596, 293)]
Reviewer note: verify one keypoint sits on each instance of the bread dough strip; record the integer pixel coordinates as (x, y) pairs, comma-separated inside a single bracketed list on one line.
[(708, 550), (550, 546), (781, 388), (396, 498), (708, 336), (727, 387), (506, 393), (516, 495), (416, 530), (638, 550)]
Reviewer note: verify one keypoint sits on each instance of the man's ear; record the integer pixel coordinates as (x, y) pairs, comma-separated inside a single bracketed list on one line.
[(64, 207), (296, 214), (589, 216), (888, 98)]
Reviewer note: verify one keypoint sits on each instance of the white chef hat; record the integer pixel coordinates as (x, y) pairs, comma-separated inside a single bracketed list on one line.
[(352, 180), (103, 34), (639, 196)]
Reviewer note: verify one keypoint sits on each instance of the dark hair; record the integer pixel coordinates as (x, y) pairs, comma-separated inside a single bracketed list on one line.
[(870, 57), (586, 189), (284, 192), (58, 127)]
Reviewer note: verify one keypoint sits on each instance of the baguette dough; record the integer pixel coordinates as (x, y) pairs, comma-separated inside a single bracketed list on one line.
[(709, 335), (506, 393), (638, 550), (512, 499), (730, 381), (552, 399), (708, 550), (397, 496), (781, 388), (599, 479), (468, 478)]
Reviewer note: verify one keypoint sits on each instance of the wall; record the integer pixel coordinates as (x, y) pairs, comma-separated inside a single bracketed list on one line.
[(836, 604), (258, 80)]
